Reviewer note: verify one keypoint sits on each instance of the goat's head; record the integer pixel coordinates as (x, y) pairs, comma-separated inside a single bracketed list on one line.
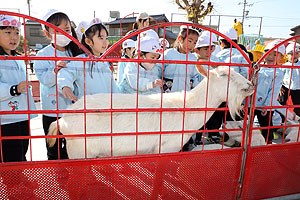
[(224, 80)]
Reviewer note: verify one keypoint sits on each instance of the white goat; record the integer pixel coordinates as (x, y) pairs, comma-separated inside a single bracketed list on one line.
[(128, 122), (236, 136)]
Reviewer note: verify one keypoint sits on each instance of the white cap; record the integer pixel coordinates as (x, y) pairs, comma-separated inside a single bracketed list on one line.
[(164, 42), (128, 44), (230, 33), (149, 33), (49, 14), (7, 20), (290, 48), (198, 30), (281, 48), (143, 15), (84, 28), (148, 44), (203, 41), (81, 28), (207, 34)]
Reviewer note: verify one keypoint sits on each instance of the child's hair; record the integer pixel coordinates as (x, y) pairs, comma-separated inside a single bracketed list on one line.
[(136, 54), (56, 19), (183, 34), (2, 52), (227, 44), (90, 33)]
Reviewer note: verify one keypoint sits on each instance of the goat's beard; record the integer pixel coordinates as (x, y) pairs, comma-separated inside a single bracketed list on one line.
[(235, 107)]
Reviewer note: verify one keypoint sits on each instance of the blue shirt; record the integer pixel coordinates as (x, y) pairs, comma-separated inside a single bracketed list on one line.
[(265, 86), (177, 72), (98, 77), (146, 79), (236, 57), (12, 72), (44, 70), (121, 68), (295, 81)]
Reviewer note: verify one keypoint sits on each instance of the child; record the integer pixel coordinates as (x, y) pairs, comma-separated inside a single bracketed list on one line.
[(98, 76), (127, 52), (15, 95), (46, 71), (174, 75), (142, 21), (148, 81), (265, 89), (292, 83), (231, 55)]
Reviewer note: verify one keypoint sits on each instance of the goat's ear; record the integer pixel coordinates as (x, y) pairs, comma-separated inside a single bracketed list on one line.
[(202, 70)]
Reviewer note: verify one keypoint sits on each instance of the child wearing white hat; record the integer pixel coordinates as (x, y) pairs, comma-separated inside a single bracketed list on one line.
[(174, 75), (143, 77), (142, 21), (265, 93), (88, 77), (46, 72), (229, 54), (128, 48), (15, 95), (292, 76)]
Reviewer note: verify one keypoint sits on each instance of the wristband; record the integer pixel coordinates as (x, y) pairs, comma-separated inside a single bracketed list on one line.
[(14, 90)]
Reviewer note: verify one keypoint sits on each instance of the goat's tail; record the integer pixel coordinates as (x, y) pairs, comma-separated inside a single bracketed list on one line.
[(52, 131)]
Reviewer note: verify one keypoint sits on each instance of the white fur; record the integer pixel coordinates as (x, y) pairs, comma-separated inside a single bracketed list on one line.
[(125, 122), (236, 136), (291, 133)]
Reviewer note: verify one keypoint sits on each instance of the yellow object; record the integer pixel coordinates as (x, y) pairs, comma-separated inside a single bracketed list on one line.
[(239, 28)]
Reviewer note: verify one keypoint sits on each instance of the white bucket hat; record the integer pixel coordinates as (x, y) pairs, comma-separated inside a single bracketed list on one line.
[(7, 20), (290, 48), (148, 44), (49, 14), (149, 33), (281, 48), (81, 28), (203, 41), (230, 33), (207, 34), (92, 23), (128, 44)]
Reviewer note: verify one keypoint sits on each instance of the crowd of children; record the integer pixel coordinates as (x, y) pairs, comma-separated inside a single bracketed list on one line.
[(75, 79)]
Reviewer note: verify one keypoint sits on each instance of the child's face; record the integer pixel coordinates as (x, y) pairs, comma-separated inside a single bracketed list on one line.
[(290, 57), (152, 56), (203, 52), (98, 44), (129, 52), (271, 58), (64, 25), (188, 46), (9, 39)]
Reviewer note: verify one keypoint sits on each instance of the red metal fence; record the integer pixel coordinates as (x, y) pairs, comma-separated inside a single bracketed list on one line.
[(244, 172)]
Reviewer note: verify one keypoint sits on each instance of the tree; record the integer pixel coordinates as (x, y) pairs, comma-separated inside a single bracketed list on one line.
[(195, 9)]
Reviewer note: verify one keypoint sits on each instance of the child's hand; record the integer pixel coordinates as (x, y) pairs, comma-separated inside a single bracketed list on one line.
[(281, 91), (157, 82), (60, 64), (264, 112), (68, 93), (23, 85)]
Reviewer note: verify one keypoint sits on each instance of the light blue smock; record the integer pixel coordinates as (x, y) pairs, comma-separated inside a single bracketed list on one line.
[(295, 81), (177, 72), (236, 57), (265, 86), (130, 83), (12, 72), (99, 80), (44, 70), (121, 68)]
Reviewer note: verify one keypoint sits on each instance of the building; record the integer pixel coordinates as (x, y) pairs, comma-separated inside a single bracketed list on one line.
[(34, 35)]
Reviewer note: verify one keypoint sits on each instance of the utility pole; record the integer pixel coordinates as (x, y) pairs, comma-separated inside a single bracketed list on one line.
[(28, 2), (244, 9)]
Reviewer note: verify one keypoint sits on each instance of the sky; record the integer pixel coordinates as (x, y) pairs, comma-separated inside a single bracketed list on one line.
[(278, 16)]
